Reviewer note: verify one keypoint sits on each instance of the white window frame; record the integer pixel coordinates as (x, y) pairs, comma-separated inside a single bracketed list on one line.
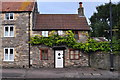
[(8, 16), (8, 54), (60, 32), (9, 31), (45, 33)]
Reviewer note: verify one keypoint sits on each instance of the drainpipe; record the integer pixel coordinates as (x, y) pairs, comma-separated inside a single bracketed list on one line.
[(29, 40), (111, 52)]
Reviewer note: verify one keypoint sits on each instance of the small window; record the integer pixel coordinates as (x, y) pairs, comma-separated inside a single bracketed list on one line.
[(9, 31), (76, 34), (44, 54), (45, 33), (9, 16), (60, 32), (74, 54), (8, 54)]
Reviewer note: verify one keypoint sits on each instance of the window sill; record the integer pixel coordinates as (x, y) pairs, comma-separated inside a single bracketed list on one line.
[(9, 36), (8, 60), (9, 19)]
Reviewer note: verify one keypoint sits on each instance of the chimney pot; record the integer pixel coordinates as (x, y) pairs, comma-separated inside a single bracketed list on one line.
[(80, 10), (80, 4)]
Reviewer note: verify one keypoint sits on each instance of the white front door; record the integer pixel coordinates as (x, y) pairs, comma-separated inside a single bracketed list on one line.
[(58, 58)]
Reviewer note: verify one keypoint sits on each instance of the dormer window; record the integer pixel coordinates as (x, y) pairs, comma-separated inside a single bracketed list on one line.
[(9, 16), (60, 32), (76, 35), (45, 33)]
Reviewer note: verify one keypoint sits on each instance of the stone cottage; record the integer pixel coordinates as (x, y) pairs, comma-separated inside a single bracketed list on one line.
[(21, 22)]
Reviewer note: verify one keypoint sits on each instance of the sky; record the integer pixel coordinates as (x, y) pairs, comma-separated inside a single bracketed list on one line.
[(69, 7)]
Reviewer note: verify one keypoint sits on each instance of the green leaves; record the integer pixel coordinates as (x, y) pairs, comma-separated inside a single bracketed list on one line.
[(100, 21), (89, 46)]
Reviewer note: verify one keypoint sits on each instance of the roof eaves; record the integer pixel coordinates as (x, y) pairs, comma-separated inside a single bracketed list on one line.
[(60, 29)]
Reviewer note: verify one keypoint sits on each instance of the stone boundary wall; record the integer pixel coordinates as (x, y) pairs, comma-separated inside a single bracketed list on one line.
[(101, 60)]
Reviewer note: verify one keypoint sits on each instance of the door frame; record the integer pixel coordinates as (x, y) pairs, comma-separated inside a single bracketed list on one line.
[(59, 48)]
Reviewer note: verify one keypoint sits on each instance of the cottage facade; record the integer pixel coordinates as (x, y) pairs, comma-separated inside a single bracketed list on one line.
[(23, 21)]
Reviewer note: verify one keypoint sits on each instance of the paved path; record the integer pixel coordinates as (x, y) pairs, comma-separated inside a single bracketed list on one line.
[(59, 73)]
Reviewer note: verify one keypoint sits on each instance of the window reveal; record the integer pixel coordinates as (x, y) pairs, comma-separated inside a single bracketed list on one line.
[(44, 54), (74, 54)]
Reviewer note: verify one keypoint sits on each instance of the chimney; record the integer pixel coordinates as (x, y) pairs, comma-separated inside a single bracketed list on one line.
[(80, 10)]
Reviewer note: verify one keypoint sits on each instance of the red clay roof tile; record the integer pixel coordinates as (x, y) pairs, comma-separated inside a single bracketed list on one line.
[(17, 6), (60, 21)]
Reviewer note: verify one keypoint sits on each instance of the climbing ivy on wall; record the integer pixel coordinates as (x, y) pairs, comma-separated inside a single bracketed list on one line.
[(68, 39)]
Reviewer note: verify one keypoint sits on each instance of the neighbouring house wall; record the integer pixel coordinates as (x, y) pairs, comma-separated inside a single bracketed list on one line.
[(1, 32), (19, 42), (102, 60)]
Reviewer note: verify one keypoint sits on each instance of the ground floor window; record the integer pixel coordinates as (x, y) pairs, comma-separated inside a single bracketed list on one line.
[(8, 54), (44, 54), (74, 54)]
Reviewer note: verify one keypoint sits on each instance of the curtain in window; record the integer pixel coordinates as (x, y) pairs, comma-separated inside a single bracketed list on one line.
[(44, 54), (6, 54), (7, 16), (60, 32), (11, 31), (11, 54), (6, 31), (11, 15), (45, 33)]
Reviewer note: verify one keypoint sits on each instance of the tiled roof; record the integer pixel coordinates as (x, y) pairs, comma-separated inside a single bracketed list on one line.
[(61, 21), (17, 6)]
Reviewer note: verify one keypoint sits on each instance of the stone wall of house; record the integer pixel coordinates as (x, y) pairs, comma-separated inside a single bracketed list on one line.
[(36, 61), (81, 34), (19, 42), (102, 60), (82, 61)]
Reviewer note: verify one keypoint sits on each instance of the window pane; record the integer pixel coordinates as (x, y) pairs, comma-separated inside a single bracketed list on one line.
[(11, 57), (76, 36), (11, 15), (44, 54), (7, 16), (45, 33), (60, 32), (11, 51), (6, 31), (76, 57), (11, 31), (76, 51), (71, 52), (71, 56), (6, 54), (6, 51)]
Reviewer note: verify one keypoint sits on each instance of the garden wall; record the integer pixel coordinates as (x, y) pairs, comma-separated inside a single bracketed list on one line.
[(102, 60)]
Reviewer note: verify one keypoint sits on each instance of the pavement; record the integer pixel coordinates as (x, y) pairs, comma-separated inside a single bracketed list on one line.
[(64, 73)]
